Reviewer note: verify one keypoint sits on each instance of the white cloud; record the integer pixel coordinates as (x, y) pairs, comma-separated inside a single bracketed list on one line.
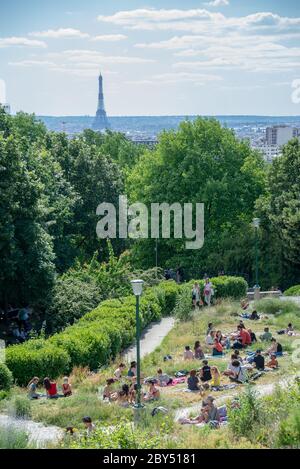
[(217, 3), (92, 56), (175, 78), (109, 37), (21, 42), (32, 63), (60, 33)]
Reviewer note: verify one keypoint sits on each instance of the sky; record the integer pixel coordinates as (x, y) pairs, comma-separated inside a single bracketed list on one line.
[(166, 57)]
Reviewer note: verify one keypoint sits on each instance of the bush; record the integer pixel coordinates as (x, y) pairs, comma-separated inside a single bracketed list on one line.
[(170, 289), (12, 438), (20, 407), (36, 358), (183, 308), (293, 291), (277, 306), (289, 431), (6, 378), (225, 286), (244, 418)]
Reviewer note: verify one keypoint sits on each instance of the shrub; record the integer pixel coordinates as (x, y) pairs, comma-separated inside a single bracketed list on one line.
[(183, 308), (6, 378), (170, 289), (36, 358), (20, 407), (12, 438), (277, 306), (226, 287), (293, 291), (289, 430), (249, 413)]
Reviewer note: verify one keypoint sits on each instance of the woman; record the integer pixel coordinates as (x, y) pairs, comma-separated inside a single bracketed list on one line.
[(132, 370), (32, 387), (198, 352), (153, 392), (208, 291), (193, 381), (107, 391), (51, 389), (196, 295), (216, 377), (217, 348), (163, 379), (123, 396), (66, 387)]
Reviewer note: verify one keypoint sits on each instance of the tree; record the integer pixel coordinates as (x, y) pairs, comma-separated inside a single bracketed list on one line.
[(27, 269), (201, 162)]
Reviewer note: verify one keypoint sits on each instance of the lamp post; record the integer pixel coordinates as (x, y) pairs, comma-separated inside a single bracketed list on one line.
[(256, 223), (137, 287)]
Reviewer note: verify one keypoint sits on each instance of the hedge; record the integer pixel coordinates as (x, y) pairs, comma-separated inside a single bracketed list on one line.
[(225, 286), (102, 333), (293, 291), (6, 378)]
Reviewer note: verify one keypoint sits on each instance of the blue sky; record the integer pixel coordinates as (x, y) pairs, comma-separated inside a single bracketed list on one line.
[(157, 57)]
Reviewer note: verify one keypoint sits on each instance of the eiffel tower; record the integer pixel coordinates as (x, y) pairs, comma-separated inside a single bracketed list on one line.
[(101, 122)]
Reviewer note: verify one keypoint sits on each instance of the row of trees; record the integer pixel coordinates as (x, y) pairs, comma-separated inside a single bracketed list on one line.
[(51, 185)]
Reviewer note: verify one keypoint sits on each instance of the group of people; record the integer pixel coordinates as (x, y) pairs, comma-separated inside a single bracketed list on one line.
[(50, 387), (206, 294)]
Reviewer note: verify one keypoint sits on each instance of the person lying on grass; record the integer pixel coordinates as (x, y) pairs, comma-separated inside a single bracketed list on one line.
[(208, 413)]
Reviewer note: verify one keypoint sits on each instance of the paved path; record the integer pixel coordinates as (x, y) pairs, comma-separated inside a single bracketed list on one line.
[(296, 299), (151, 338), (39, 434)]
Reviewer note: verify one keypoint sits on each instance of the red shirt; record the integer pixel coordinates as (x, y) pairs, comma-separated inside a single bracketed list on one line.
[(218, 346), (53, 389), (245, 336)]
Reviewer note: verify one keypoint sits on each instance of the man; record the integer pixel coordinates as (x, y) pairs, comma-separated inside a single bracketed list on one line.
[(243, 338), (259, 361), (266, 336), (237, 372)]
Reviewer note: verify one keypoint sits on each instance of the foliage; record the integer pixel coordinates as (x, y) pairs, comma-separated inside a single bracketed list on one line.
[(293, 291), (13, 438), (6, 378), (183, 307), (289, 430), (20, 407), (122, 436), (248, 414), (277, 306)]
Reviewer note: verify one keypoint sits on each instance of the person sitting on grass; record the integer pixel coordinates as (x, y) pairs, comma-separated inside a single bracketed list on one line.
[(259, 361), (273, 363), (243, 338), (51, 389), (90, 427), (32, 388), (209, 328), (210, 339), (188, 354), (205, 372), (132, 370), (236, 372), (153, 393), (163, 379), (107, 391), (217, 348), (252, 335), (193, 381), (209, 413), (198, 352), (123, 396), (118, 372), (276, 348), (236, 356), (216, 377), (266, 336), (66, 387), (132, 393)]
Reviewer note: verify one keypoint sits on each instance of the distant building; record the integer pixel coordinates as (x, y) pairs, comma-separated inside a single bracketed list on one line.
[(269, 151), (101, 122), (6, 108), (280, 134)]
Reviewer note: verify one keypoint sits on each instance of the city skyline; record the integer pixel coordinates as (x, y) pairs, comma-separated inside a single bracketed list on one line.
[(218, 57)]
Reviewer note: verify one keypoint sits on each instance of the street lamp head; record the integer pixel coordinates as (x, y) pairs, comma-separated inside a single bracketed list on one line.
[(137, 287), (256, 222)]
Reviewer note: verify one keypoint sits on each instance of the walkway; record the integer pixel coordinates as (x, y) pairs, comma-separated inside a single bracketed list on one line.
[(151, 338)]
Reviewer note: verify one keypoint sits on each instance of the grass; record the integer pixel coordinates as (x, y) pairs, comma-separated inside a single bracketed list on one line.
[(11, 438), (86, 399)]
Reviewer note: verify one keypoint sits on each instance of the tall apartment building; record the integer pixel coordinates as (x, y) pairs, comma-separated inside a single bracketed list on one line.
[(280, 134)]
